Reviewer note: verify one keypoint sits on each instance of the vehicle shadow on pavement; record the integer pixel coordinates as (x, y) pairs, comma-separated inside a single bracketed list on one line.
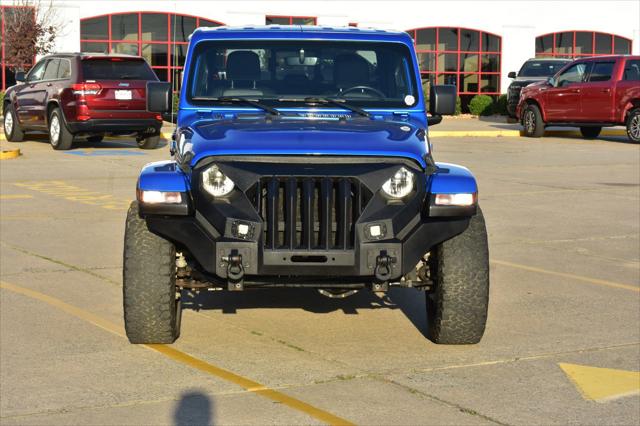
[(410, 301), (194, 408), (293, 298)]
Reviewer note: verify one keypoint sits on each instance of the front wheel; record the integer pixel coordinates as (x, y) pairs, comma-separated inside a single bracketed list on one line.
[(151, 301), (12, 130), (590, 132), (532, 122), (458, 304), (633, 125)]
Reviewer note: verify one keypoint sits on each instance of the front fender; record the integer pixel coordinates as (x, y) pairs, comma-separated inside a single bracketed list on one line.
[(164, 176), (451, 179)]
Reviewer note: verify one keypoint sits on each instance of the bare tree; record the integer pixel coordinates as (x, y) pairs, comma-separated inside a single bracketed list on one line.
[(30, 29)]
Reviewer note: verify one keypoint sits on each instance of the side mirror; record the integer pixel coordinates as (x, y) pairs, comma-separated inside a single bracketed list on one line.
[(442, 101), (512, 74), (19, 76), (551, 81), (158, 96)]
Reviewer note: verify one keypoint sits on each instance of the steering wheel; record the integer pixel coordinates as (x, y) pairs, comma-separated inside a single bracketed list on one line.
[(363, 89)]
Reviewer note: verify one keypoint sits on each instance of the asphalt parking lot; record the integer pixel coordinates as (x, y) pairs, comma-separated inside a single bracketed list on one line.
[(562, 344)]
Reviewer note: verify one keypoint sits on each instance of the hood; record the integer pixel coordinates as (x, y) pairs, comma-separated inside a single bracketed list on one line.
[(300, 136), (525, 80), (535, 86)]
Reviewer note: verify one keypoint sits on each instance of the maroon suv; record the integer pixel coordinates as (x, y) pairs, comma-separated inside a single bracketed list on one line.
[(82, 94)]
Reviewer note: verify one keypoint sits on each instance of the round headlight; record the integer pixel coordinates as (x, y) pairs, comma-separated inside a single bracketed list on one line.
[(216, 183), (400, 185)]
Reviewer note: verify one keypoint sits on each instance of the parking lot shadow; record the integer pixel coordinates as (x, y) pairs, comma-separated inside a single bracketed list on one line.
[(409, 301), (292, 298), (194, 408)]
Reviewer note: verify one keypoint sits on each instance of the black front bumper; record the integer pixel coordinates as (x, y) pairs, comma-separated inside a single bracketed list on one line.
[(308, 219), (149, 126)]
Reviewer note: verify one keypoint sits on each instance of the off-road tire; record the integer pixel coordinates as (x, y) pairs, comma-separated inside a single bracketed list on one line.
[(95, 138), (60, 138), (457, 306), (633, 125), (150, 142), (151, 311), (590, 132), (532, 122), (16, 134)]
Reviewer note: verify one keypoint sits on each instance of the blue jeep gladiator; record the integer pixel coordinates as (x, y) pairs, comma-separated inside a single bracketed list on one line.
[(301, 158)]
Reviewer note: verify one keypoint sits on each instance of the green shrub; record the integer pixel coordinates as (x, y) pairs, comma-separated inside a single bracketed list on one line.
[(481, 105), (500, 107), (458, 106), (1, 99), (176, 101)]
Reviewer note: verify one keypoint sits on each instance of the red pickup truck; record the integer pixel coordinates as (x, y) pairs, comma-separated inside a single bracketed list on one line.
[(589, 93)]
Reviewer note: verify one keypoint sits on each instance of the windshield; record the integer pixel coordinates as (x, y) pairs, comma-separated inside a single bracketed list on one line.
[(541, 68), (116, 69), (281, 73)]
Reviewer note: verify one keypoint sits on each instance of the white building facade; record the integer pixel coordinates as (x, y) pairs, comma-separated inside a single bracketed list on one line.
[(473, 44)]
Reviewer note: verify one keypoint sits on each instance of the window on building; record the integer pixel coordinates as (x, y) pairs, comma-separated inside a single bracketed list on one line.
[(467, 58), (7, 67), (574, 44), (160, 38), (290, 20)]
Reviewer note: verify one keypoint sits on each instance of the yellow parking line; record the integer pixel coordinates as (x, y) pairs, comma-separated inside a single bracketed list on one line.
[(184, 358), (15, 196), (566, 275)]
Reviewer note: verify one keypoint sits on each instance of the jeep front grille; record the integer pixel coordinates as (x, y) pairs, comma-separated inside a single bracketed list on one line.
[(310, 213)]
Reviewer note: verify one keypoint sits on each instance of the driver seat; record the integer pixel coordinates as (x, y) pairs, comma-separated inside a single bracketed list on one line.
[(350, 70)]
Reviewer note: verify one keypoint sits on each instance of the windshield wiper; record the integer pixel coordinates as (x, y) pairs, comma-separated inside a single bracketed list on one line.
[(239, 100), (331, 101)]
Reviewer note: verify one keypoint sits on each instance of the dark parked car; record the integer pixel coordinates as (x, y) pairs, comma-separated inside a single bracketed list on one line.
[(590, 93), (533, 70), (82, 94)]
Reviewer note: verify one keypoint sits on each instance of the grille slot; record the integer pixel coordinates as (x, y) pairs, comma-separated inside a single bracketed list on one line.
[(310, 213)]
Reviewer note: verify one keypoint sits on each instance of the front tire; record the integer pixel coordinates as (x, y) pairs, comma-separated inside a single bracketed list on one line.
[(532, 122), (633, 125), (151, 309), (12, 130), (60, 137), (590, 132), (150, 142), (457, 307)]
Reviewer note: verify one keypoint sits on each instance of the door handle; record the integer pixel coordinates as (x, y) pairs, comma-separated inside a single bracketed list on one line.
[(605, 90), (575, 91), (49, 84)]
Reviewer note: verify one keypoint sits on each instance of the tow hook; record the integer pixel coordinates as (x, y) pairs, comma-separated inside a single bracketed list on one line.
[(383, 271), (235, 271)]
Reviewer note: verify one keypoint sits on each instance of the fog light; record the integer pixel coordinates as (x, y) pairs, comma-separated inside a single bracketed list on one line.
[(158, 197), (242, 230), (455, 199), (376, 231)]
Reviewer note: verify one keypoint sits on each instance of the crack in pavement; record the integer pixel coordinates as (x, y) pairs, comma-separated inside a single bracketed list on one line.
[(61, 263)]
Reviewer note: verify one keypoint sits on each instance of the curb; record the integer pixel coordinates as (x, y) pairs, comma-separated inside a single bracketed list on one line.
[(513, 133), (473, 133), (8, 155)]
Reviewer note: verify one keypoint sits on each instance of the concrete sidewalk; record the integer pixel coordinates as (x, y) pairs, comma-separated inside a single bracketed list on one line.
[(496, 126)]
